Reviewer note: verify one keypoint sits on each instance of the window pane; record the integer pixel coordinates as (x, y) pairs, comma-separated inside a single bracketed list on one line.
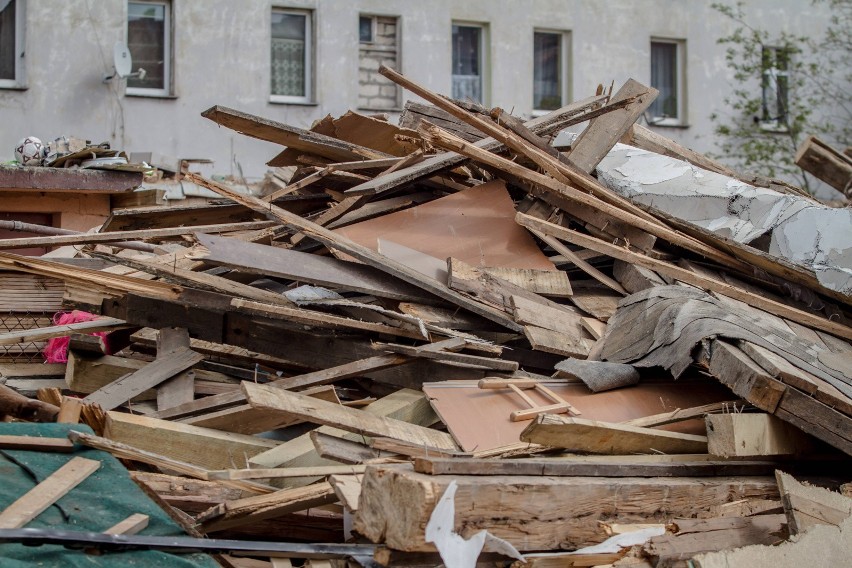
[(664, 79), (775, 85), (365, 29), (547, 80), (146, 39), (7, 41), (467, 62), (288, 54)]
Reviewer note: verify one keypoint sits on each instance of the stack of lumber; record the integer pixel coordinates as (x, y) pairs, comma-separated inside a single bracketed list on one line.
[(455, 305)]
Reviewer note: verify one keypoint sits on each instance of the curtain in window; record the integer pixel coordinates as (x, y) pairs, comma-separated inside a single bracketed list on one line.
[(467, 61), (775, 85), (547, 86), (7, 39), (146, 40), (288, 54), (664, 79)]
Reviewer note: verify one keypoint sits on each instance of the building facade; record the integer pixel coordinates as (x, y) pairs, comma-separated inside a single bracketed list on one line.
[(296, 61)]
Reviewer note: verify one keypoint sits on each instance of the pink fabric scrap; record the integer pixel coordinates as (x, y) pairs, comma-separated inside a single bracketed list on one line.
[(56, 350)]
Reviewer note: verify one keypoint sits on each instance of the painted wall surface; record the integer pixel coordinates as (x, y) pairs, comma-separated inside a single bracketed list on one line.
[(222, 47)]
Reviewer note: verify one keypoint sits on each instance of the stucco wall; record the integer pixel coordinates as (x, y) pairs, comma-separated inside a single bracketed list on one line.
[(222, 57)]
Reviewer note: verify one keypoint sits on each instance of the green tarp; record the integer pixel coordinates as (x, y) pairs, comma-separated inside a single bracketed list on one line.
[(105, 498)]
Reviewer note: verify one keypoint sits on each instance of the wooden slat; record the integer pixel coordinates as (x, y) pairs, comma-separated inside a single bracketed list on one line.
[(583, 435), (35, 443), (36, 500), (133, 524), (358, 421), (125, 388), (27, 335)]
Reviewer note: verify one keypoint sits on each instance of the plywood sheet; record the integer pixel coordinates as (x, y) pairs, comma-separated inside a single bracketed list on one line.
[(476, 225), (479, 419)]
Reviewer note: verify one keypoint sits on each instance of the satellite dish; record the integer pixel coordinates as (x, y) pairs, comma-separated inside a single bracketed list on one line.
[(122, 63), (121, 59)]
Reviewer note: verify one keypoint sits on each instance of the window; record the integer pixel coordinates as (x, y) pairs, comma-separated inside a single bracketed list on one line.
[(667, 76), (291, 57), (776, 65), (365, 29), (549, 71), (379, 36), (469, 62), (149, 35), (12, 19)]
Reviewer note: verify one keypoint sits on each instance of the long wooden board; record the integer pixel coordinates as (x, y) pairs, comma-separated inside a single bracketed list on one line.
[(351, 420), (36, 500), (151, 375), (584, 435)]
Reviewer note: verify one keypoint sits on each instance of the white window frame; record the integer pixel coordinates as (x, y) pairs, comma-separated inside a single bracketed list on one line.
[(308, 97), (20, 80), (680, 66), (168, 54), (485, 59), (774, 125), (564, 66)]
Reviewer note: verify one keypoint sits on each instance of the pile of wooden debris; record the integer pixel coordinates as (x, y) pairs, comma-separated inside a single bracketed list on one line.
[(455, 307)]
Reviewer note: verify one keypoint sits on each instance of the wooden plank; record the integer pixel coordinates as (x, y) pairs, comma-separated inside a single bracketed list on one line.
[(69, 411), (319, 471), (305, 267), (441, 162), (687, 276), (549, 341), (553, 283), (28, 335), (77, 181), (203, 447), (258, 508), (49, 491), (552, 317), (278, 133), (603, 132), (358, 421), (125, 388), (35, 443), (686, 413), (464, 358), (536, 512), (181, 388), (133, 524), (730, 435), (360, 252), (245, 419), (735, 370), (569, 467), (340, 450), (583, 435), (806, 505), (128, 452), (818, 158), (705, 535), (86, 374), (405, 404)]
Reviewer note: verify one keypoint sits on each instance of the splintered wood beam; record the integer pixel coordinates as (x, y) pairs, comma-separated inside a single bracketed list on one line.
[(149, 376), (39, 498), (351, 420), (360, 252), (583, 435), (686, 413), (686, 276), (536, 512)]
